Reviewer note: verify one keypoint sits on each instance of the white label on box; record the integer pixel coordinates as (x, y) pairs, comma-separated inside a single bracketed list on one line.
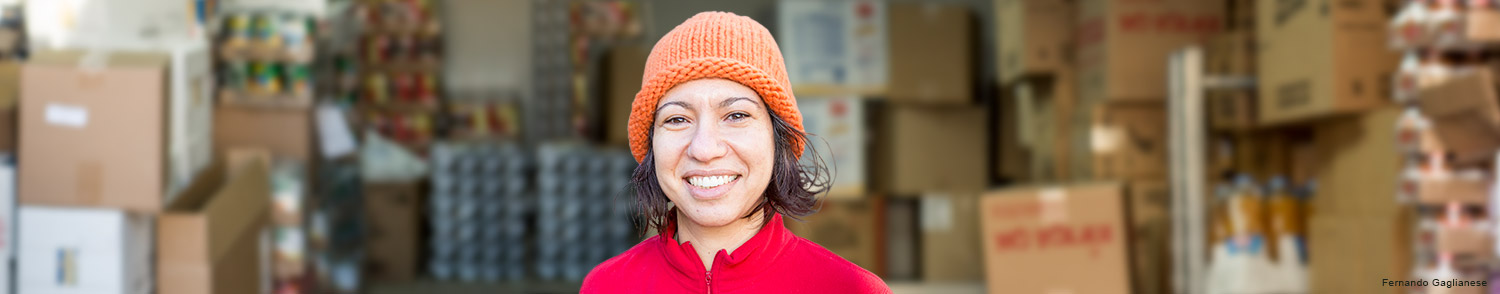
[(67, 115), (1054, 205), (937, 213)]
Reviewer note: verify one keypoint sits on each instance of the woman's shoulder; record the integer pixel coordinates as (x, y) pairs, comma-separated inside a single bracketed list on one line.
[(831, 267), (626, 266)]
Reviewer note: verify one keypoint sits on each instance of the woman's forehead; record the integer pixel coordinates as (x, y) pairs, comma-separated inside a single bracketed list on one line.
[(710, 92)]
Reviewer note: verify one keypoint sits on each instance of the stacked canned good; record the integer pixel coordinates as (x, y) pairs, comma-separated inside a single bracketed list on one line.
[(1447, 82), (584, 212), (548, 108), (266, 57), (481, 200), (336, 228), (391, 71), (288, 232)]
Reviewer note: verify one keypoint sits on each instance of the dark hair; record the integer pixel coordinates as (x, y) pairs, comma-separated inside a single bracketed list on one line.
[(792, 191)]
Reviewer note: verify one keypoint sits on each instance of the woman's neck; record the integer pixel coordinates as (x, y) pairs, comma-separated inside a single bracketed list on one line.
[(707, 241)]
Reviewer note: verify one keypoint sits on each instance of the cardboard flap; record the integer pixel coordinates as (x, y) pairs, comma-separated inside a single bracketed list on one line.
[(105, 58), (207, 220)]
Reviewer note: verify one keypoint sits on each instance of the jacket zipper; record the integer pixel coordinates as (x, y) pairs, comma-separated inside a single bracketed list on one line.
[(708, 281)]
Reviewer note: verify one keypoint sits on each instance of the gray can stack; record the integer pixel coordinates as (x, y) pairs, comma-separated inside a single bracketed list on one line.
[(478, 213), (583, 209)]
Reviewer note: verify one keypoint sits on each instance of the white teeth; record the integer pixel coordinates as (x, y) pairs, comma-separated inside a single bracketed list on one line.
[(710, 181)]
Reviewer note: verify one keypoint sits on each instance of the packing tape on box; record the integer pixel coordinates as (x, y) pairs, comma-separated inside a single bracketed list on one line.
[(94, 61), (1054, 202)]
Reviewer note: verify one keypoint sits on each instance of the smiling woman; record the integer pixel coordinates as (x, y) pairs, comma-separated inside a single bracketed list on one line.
[(718, 136)]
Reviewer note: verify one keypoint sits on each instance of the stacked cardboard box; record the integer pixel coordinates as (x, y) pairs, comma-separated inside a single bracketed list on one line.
[(1314, 59), (1056, 239), (117, 148)]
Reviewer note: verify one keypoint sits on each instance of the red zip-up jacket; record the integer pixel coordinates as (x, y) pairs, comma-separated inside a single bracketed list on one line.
[(773, 261)]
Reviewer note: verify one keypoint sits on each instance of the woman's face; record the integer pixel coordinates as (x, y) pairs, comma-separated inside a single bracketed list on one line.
[(714, 149)]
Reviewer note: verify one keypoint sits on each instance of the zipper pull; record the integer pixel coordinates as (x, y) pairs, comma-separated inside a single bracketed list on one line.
[(708, 281)]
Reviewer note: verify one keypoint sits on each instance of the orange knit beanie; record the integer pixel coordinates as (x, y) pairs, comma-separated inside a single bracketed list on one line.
[(713, 45)]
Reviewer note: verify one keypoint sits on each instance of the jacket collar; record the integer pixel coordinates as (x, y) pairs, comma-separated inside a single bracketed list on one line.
[(751, 258)]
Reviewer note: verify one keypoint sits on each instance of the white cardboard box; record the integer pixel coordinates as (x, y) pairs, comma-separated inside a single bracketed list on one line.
[(836, 129), (83, 251), (7, 222), (116, 25), (834, 46)]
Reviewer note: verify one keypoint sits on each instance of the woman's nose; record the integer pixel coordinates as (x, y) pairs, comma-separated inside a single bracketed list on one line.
[(707, 144)]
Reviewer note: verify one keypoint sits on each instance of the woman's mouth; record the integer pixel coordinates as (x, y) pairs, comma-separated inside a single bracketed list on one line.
[(710, 187)]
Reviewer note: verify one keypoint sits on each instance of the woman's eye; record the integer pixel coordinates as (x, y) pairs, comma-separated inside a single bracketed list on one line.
[(738, 116), (675, 120)]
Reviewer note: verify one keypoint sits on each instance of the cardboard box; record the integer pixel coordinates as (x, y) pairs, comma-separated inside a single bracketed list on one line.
[(83, 250), (851, 228), (834, 47), (10, 91), (839, 127), (626, 69), (1358, 166), (1343, 251), (104, 24), (1056, 239), (950, 238), (1130, 141), (1231, 110), (1443, 190), (1123, 46), (932, 54), (209, 240), (1315, 58), (1230, 53), (1465, 115), (1033, 37), (1150, 236), (392, 212), (125, 130), (1046, 114), (1482, 25), (1012, 159), (927, 149), (902, 239), (7, 224), (1465, 240), (287, 132)]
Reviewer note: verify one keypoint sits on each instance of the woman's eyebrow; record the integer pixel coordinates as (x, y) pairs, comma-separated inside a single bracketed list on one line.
[(678, 103), (731, 100)]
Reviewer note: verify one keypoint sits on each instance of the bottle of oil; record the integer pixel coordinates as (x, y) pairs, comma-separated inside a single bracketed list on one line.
[(1286, 223)]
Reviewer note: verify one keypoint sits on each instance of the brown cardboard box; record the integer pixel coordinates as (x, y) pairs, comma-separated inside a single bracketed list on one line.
[(1344, 251), (1012, 158), (1056, 239), (1123, 45), (1465, 115), (950, 238), (1130, 141), (1483, 25), (926, 149), (1441, 191), (123, 129), (851, 228), (209, 240), (1150, 236), (1033, 37), (1241, 15), (1230, 53), (392, 212), (1231, 110), (1359, 167), (1046, 115), (286, 132), (10, 89), (932, 54), (626, 67), (1316, 58), (1465, 240)]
